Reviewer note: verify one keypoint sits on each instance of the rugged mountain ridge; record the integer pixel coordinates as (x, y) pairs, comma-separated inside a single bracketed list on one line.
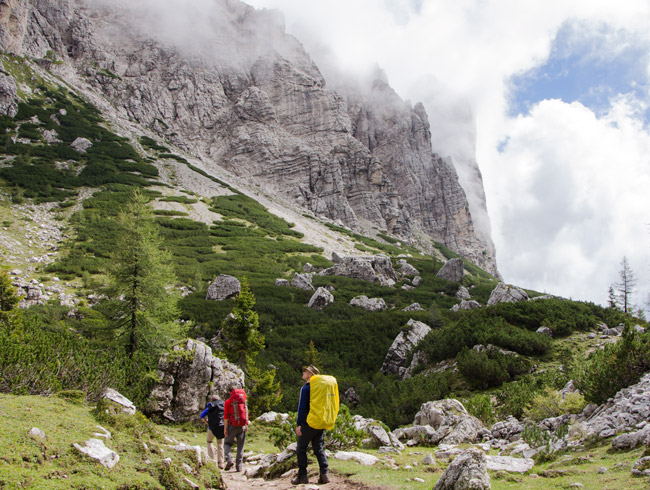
[(225, 83)]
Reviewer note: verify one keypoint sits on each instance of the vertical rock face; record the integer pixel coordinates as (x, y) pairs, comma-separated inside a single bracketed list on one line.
[(229, 86)]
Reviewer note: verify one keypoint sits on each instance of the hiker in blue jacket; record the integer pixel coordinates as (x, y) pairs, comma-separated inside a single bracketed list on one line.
[(212, 416), (307, 434)]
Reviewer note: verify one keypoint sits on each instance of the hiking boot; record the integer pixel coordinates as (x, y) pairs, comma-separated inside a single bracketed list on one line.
[(323, 478), (238, 468), (228, 465), (300, 479)]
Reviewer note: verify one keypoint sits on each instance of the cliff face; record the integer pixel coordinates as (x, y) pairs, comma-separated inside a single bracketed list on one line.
[(226, 84)]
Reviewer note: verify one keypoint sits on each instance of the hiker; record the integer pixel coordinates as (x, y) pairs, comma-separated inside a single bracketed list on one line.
[(212, 416), (307, 434), (235, 417)]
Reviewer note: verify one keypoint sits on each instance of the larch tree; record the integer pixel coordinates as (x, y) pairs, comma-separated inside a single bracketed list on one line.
[(141, 309), (626, 286)]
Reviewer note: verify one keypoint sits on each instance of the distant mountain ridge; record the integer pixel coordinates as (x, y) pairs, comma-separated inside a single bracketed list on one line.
[(230, 87)]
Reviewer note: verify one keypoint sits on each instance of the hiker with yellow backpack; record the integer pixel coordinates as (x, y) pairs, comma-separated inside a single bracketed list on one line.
[(317, 410)]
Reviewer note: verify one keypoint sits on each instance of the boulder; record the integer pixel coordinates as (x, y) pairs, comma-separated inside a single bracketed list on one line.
[(282, 283), (81, 145), (352, 398), (642, 467), (320, 299), (369, 304), (416, 281), (36, 433), (359, 457), (188, 377), (223, 287), (413, 307), (631, 440), (395, 361), (302, 281), (468, 471), (504, 293), (452, 270), (125, 405), (96, 449), (271, 417), (407, 269), (509, 429), (463, 293), (376, 269), (8, 95), (466, 305), (378, 435), (544, 331), (509, 464), (451, 421)]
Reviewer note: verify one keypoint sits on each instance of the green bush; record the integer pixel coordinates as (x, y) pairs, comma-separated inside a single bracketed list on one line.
[(489, 367), (549, 403), (480, 406)]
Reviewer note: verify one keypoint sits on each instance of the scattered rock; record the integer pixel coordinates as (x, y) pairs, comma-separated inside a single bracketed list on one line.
[(468, 471), (396, 358), (96, 449), (223, 287), (504, 293), (369, 304), (320, 299), (81, 145), (282, 283), (413, 307), (466, 305), (452, 270), (376, 269), (124, 403), (36, 433), (359, 457), (302, 281), (509, 464)]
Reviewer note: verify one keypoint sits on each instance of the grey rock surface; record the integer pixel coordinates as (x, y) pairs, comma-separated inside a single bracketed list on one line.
[(395, 361), (504, 293), (468, 471), (452, 270), (320, 299), (451, 421), (376, 269), (96, 449), (302, 281), (351, 154), (466, 305), (223, 287), (369, 304), (187, 380)]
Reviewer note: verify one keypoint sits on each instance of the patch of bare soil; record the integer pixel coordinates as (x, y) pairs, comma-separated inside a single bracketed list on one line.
[(238, 481)]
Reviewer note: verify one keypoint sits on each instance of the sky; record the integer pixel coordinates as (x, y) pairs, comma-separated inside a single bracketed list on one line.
[(556, 98)]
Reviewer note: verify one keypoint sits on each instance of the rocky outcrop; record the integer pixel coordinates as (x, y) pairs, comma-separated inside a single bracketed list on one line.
[(223, 287), (302, 281), (376, 269), (8, 96), (468, 471), (504, 293), (452, 270), (395, 361), (125, 405), (466, 305), (266, 114), (369, 304), (188, 377)]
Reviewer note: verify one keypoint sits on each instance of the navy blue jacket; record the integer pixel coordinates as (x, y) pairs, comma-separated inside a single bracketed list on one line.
[(303, 405)]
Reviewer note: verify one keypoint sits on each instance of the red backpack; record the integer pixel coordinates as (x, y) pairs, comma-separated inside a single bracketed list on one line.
[(238, 415)]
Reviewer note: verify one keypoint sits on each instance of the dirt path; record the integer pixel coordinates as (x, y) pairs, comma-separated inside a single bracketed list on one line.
[(238, 481)]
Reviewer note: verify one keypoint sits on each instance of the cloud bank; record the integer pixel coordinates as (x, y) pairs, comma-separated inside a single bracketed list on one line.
[(566, 173)]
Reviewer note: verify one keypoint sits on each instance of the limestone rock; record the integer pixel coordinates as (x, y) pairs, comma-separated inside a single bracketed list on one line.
[(36, 433), (81, 145), (359, 457), (302, 281), (369, 304), (468, 471), (466, 305), (509, 429), (509, 464), (413, 307), (416, 281), (407, 269), (396, 358), (8, 96), (544, 331), (271, 417), (463, 293), (187, 380), (376, 269), (452, 270), (282, 283), (351, 396), (451, 421), (223, 287), (124, 403), (96, 449), (504, 293), (320, 299)]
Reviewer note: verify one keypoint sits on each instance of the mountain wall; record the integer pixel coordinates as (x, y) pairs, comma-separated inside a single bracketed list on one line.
[(224, 82)]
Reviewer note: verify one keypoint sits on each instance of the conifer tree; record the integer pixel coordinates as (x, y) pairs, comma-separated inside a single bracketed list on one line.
[(8, 296), (626, 286), (141, 309), (312, 356)]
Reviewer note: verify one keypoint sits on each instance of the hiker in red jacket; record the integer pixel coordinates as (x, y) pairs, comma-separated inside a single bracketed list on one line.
[(235, 417)]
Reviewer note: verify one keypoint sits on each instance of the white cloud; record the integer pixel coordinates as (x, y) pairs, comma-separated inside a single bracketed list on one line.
[(568, 196)]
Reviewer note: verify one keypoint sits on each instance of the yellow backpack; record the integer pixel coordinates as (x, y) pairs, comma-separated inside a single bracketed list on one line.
[(323, 401)]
